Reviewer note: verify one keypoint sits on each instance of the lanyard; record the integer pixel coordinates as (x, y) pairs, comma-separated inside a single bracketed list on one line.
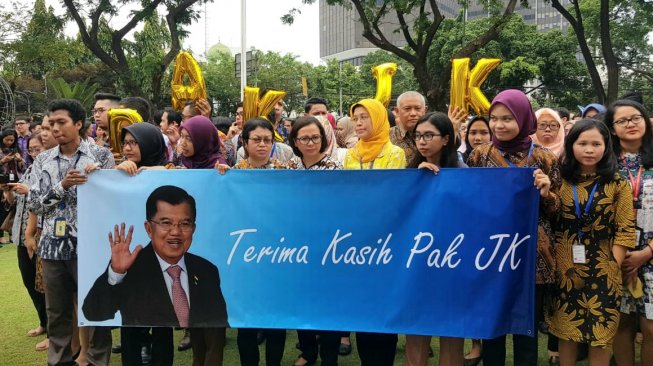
[(635, 183), (61, 176), (274, 146), (528, 158), (580, 215)]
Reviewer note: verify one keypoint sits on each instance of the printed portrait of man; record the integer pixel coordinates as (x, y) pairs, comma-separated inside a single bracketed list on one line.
[(160, 284)]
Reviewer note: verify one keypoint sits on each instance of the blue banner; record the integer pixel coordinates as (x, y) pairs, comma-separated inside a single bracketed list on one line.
[(392, 251)]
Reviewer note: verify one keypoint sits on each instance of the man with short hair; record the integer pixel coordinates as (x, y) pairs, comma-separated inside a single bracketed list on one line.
[(103, 102), (140, 105), (53, 195), (316, 107), (22, 129), (411, 105)]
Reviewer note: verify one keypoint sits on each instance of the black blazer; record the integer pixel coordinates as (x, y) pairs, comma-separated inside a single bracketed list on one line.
[(143, 299)]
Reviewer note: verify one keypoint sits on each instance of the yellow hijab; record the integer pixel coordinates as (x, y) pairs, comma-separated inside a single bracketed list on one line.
[(367, 150)]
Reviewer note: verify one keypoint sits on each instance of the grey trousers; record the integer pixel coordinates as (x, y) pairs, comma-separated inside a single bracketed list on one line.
[(60, 280)]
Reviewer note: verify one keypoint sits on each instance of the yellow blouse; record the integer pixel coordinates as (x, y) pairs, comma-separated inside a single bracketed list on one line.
[(390, 157)]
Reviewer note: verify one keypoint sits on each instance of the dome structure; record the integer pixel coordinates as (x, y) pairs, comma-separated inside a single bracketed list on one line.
[(216, 49), (7, 105)]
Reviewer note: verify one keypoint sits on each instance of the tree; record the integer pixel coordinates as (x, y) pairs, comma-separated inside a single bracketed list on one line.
[(600, 24), (80, 91), (115, 56), (421, 36), (221, 82)]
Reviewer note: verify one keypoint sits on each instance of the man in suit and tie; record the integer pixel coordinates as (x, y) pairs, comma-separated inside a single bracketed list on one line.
[(162, 284)]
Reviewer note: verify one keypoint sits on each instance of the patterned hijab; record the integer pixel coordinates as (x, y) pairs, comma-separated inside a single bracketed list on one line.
[(347, 137), (150, 143), (518, 104), (557, 146), (206, 143), (367, 150)]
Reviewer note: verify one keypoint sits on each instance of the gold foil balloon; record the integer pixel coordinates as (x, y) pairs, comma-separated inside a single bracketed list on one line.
[(118, 119), (250, 103), (185, 65), (477, 77), (459, 77), (255, 106), (466, 84), (383, 74)]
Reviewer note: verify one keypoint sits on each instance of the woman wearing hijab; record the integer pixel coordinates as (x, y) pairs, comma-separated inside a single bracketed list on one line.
[(346, 136), (373, 149), (512, 122), (592, 110), (550, 131), (143, 147), (199, 144)]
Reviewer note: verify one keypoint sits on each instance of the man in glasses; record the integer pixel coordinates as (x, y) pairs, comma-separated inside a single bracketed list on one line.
[(162, 284), (103, 102), (23, 132)]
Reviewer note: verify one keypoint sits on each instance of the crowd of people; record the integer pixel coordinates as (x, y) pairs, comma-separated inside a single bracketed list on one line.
[(593, 171)]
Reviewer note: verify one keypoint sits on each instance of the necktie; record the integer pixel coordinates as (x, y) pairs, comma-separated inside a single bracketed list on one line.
[(179, 299)]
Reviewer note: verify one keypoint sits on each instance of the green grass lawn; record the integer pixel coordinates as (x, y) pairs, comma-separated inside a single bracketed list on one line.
[(17, 316)]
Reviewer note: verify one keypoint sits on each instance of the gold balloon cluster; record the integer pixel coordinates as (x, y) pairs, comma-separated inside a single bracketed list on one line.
[(383, 74), (185, 65), (256, 106), (466, 84), (120, 118)]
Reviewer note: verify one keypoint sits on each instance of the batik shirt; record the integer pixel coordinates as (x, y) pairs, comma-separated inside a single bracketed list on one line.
[(405, 141), (326, 163), (48, 198)]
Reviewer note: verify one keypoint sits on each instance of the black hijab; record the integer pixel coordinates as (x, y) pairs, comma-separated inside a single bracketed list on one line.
[(150, 142)]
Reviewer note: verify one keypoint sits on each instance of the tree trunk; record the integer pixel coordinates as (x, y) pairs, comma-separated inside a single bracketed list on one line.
[(608, 53), (579, 29)]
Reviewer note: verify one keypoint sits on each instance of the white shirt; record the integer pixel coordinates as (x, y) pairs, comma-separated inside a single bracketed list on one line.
[(116, 278)]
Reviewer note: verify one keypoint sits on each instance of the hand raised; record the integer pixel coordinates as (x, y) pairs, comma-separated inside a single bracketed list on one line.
[(121, 258)]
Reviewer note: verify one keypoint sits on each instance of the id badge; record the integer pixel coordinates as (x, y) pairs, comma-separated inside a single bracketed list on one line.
[(12, 177), (60, 227), (648, 308), (579, 254)]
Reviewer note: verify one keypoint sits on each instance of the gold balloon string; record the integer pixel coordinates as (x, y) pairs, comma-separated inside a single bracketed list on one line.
[(185, 65)]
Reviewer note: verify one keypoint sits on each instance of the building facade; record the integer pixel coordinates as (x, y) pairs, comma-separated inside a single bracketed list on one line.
[(341, 32)]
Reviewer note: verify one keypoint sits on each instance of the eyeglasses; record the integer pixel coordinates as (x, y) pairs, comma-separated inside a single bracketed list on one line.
[(239, 113), (34, 150), (184, 226), (258, 140), (98, 110), (304, 140), (551, 126), (635, 119), (130, 143), (427, 136), (362, 117)]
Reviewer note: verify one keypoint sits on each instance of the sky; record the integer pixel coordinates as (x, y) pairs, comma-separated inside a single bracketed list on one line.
[(221, 23)]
